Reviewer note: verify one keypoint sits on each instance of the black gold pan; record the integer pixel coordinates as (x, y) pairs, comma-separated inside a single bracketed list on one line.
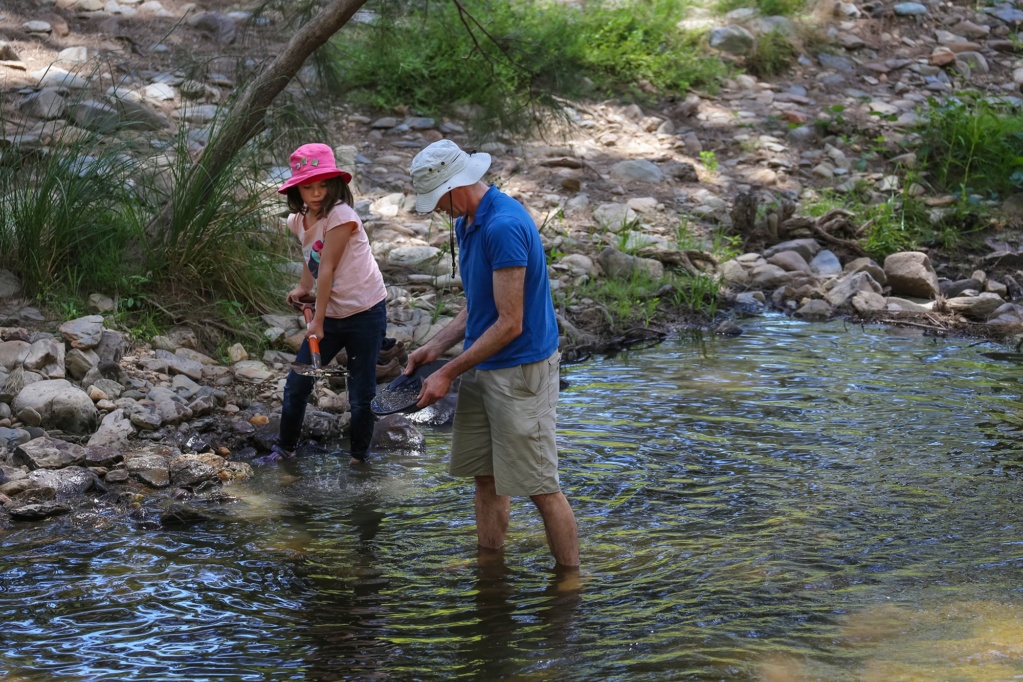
[(402, 394)]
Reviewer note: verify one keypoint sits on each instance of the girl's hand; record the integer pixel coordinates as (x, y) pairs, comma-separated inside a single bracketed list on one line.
[(315, 329), (299, 298)]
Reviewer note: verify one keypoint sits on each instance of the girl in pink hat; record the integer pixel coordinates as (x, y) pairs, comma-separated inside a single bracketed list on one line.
[(341, 277)]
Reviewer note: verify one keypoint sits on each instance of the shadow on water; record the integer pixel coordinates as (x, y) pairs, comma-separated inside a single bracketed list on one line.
[(798, 502)]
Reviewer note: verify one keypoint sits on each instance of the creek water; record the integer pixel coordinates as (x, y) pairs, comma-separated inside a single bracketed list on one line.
[(804, 501)]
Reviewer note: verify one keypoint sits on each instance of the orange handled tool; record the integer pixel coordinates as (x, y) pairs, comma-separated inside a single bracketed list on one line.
[(314, 343)]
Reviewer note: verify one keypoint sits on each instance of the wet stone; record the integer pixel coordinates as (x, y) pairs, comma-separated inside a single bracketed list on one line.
[(32, 512)]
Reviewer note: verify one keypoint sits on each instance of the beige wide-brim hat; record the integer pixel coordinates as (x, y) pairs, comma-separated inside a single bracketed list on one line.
[(440, 168)]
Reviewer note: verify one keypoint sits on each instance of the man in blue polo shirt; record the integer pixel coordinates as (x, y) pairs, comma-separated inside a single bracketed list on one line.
[(505, 419)]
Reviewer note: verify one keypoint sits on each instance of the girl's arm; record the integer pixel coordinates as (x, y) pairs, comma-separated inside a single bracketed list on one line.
[(304, 288), (335, 241)]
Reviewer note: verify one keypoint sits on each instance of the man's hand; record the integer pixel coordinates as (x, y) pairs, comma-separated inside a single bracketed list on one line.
[(420, 356), (434, 388)]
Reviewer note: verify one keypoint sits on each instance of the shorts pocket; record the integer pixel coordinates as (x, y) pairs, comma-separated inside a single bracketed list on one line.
[(553, 370), (533, 376)]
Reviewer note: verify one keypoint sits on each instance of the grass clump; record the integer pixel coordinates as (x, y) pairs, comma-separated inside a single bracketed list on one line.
[(61, 228), (510, 62), (89, 215), (217, 246), (772, 54), (900, 222), (767, 8), (972, 145), (640, 300)]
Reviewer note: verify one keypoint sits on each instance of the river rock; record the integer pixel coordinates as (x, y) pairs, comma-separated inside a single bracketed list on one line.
[(910, 273), (46, 357), (37, 511), (102, 456), (149, 468), (826, 264), (60, 405), (69, 482), (396, 432), (732, 39), (978, 307), (1008, 316), (178, 514), (78, 362), (108, 370), (114, 431), (614, 217), (790, 261), (850, 286), (13, 353), (814, 310), (84, 332), (10, 284), (868, 301), (188, 471), (807, 248), (637, 170), (48, 453), (867, 265), (620, 265), (252, 371)]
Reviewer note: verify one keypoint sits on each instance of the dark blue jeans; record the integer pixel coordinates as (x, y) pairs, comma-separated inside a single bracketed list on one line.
[(360, 335)]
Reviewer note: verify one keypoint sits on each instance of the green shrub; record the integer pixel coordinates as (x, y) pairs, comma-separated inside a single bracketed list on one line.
[(899, 223), (434, 58)]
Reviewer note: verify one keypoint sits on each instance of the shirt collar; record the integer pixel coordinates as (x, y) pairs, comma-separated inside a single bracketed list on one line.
[(486, 203)]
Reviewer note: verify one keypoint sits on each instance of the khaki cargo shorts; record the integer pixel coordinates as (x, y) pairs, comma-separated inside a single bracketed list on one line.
[(504, 427)]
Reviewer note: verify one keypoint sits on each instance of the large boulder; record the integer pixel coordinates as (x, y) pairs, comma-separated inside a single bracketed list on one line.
[(59, 405), (910, 273)]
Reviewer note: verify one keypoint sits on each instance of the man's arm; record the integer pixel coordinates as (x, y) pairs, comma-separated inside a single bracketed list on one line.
[(509, 297)]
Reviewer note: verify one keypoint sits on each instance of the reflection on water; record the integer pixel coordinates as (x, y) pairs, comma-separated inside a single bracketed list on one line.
[(800, 502)]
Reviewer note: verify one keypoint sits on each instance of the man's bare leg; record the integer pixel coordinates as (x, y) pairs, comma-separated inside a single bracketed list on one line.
[(559, 522), (492, 513)]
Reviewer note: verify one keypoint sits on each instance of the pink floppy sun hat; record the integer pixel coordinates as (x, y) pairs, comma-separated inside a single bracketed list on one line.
[(311, 163)]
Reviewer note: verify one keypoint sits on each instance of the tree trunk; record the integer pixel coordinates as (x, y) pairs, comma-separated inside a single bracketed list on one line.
[(246, 119)]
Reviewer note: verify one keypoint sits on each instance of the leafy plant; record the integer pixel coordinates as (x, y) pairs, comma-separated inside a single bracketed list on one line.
[(709, 160), (900, 223)]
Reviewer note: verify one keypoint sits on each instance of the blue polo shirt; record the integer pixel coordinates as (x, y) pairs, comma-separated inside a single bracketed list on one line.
[(504, 235)]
